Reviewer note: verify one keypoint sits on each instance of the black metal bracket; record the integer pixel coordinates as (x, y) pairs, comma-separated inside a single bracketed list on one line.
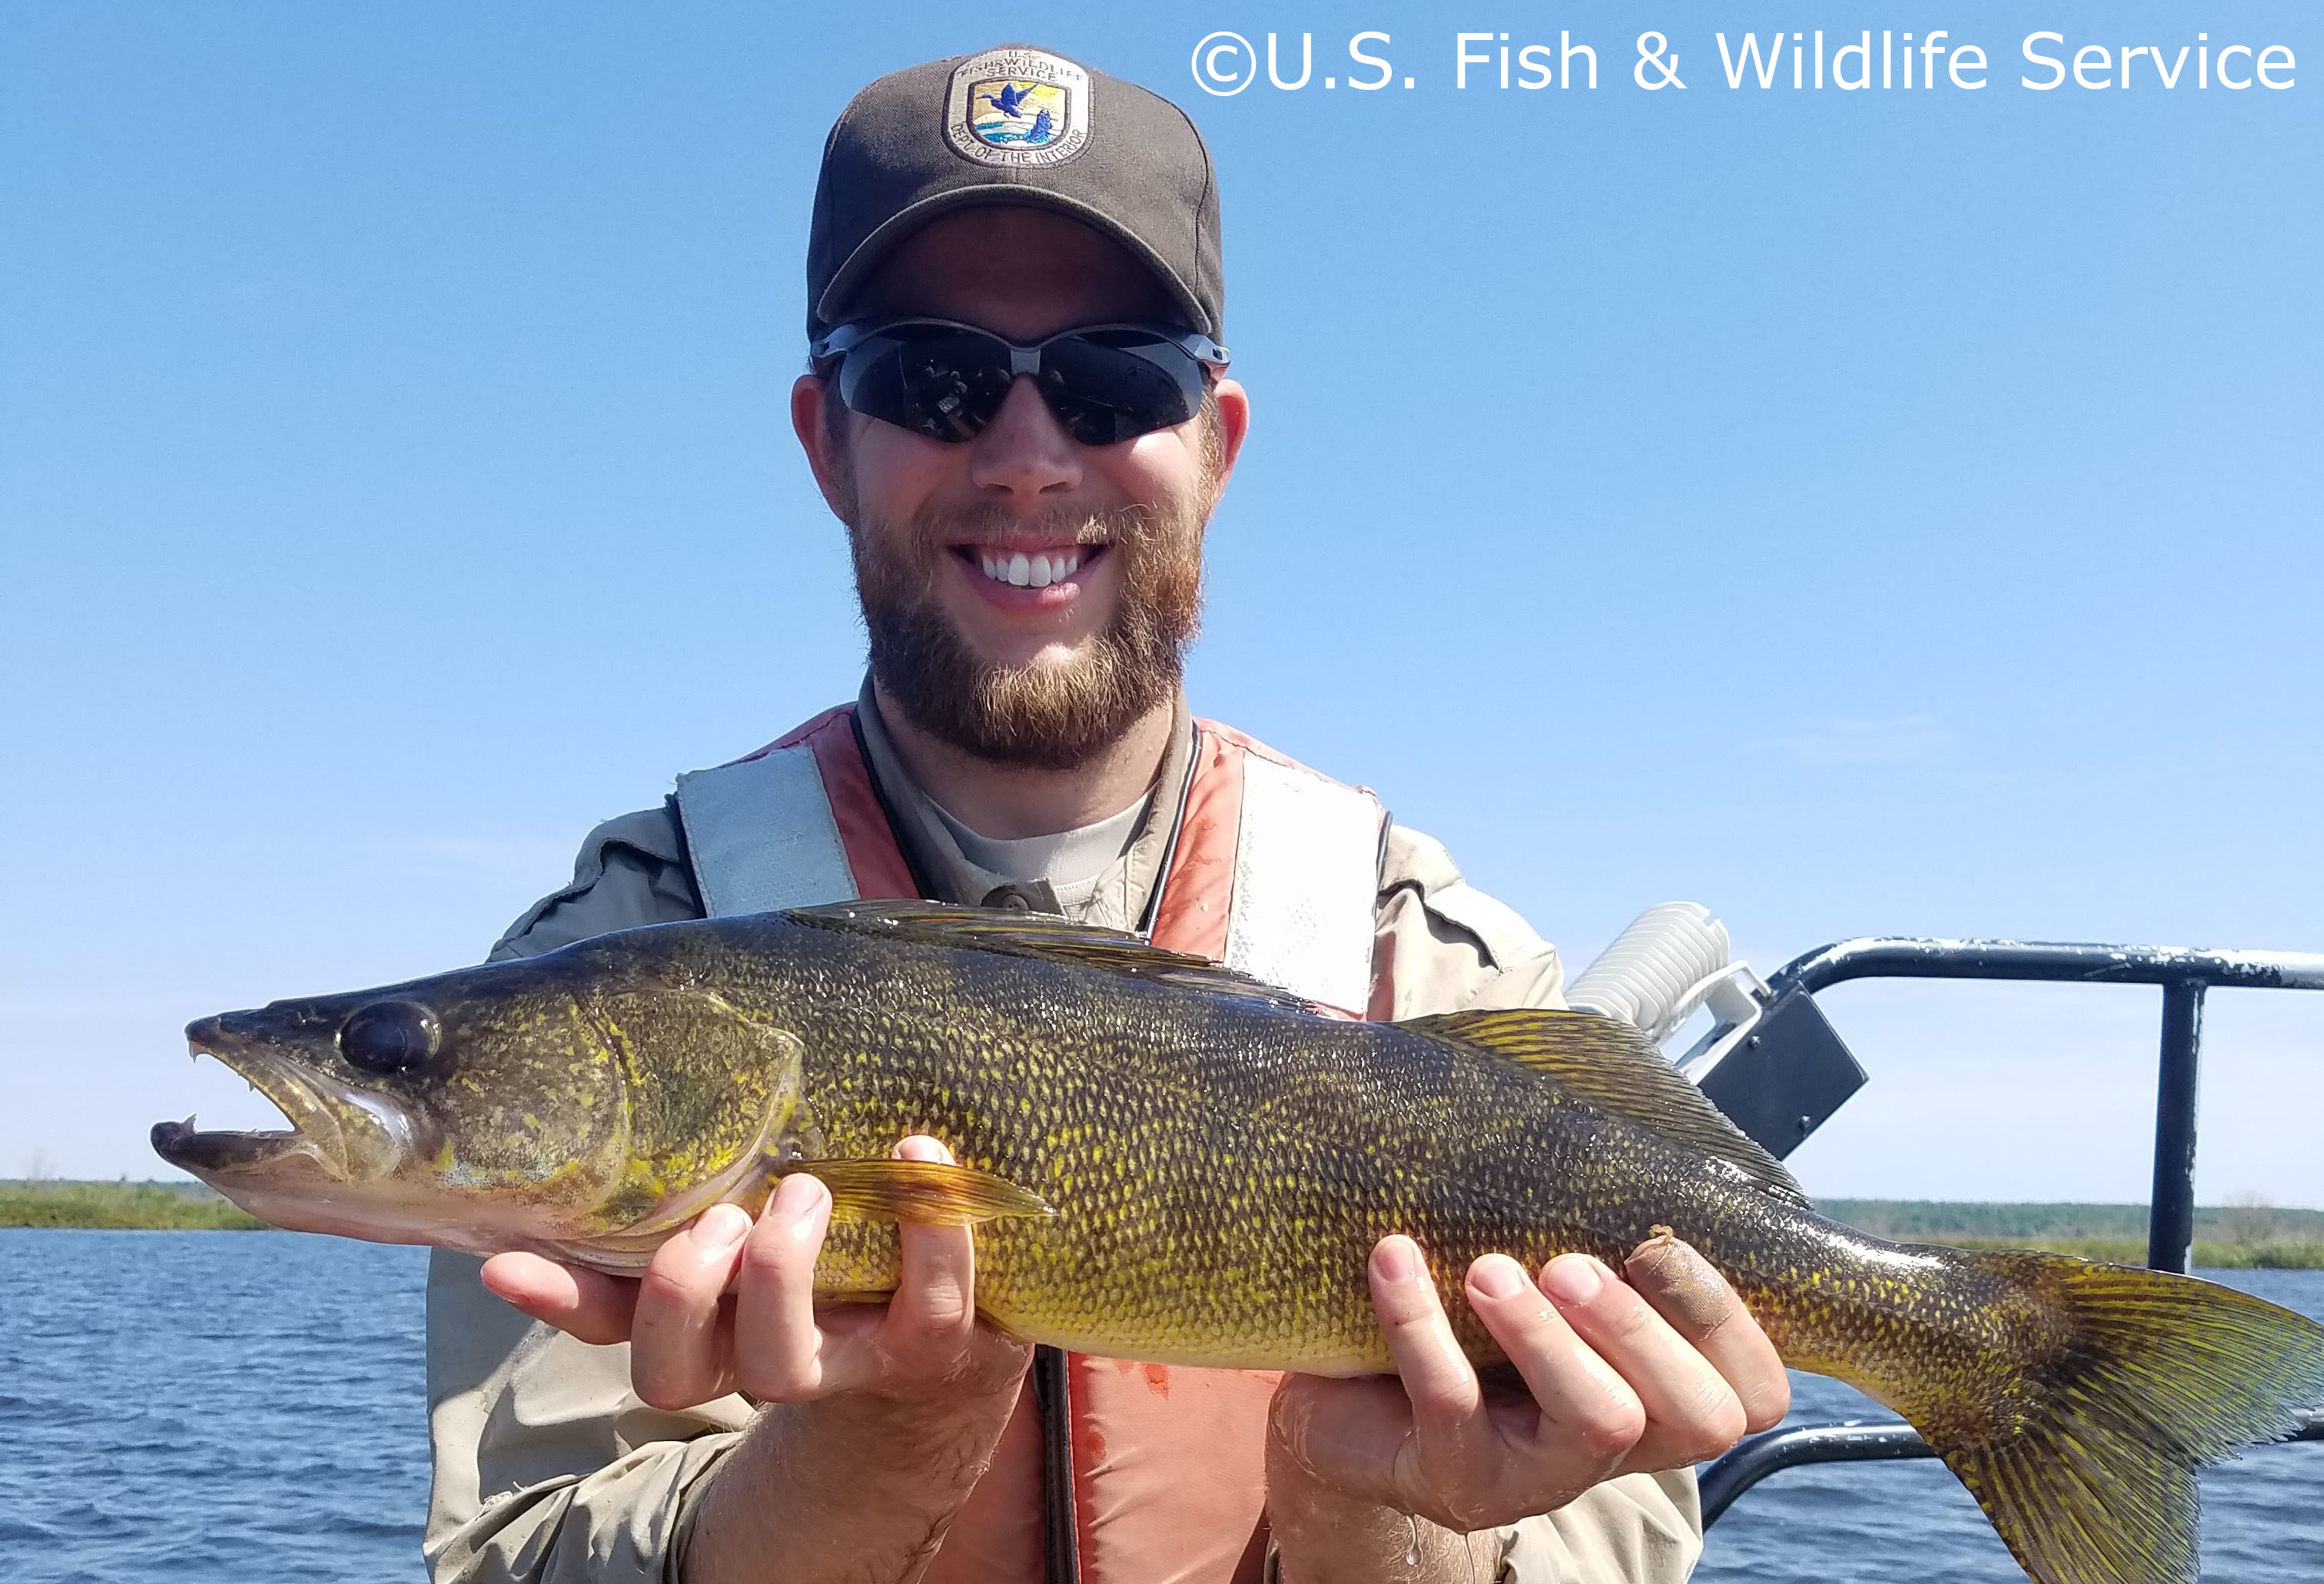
[(1785, 1076)]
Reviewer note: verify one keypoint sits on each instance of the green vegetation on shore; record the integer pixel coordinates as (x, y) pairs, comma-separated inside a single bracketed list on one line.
[(2230, 1237), (2234, 1236), (177, 1207)]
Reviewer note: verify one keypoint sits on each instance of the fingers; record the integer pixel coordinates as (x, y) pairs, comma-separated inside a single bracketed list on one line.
[(586, 1304), (929, 1338), (1701, 1307), (1617, 1387), (934, 1305), (1691, 1413), (1590, 1418), (926, 1336), (1454, 1450), (777, 1347), (678, 1356)]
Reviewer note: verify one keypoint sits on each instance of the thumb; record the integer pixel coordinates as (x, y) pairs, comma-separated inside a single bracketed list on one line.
[(586, 1304), (1351, 1435)]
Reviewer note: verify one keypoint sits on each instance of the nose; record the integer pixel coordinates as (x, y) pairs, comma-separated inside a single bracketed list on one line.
[(1024, 453)]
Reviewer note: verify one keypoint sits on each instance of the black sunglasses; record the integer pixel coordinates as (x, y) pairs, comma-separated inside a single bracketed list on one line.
[(1106, 383)]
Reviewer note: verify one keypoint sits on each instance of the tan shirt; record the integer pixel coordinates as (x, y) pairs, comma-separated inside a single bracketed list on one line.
[(549, 1470)]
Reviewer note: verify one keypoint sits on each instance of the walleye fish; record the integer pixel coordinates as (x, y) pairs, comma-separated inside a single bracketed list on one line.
[(1169, 1162)]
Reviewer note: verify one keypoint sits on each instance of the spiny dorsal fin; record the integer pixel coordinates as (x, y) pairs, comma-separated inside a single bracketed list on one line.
[(1033, 934), (1615, 1068)]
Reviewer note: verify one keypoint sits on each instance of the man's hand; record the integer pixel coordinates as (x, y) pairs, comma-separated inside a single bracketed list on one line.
[(1658, 1371), (884, 1415), (690, 1341)]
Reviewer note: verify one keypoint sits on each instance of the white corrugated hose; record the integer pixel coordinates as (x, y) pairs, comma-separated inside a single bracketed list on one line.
[(1657, 971)]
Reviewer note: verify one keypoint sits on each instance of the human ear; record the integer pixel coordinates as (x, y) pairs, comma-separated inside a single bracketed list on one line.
[(1233, 405), (821, 439)]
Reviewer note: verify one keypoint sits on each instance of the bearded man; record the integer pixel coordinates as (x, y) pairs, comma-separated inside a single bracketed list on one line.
[(1018, 404)]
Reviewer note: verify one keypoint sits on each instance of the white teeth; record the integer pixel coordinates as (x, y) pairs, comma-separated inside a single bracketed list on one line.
[(1030, 572)]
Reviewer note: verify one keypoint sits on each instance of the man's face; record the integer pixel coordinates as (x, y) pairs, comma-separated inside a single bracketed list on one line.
[(1006, 670)]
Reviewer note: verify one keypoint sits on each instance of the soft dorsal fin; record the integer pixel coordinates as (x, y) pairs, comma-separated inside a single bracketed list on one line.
[(1615, 1068), (1033, 934)]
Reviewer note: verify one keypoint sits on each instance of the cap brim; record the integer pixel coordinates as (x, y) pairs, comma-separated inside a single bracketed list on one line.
[(894, 232)]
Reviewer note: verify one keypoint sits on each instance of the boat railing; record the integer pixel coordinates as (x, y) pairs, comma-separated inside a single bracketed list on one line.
[(2184, 977)]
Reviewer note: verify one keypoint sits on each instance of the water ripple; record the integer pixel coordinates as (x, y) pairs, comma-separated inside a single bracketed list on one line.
[(212, 1407), (1910, 1523)]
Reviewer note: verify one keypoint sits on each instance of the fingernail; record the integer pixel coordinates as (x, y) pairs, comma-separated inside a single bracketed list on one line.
[(1573, 1278), (721, 1227), (1496, 1275), (923, 1149), (795, 1197), (1399, 1259)]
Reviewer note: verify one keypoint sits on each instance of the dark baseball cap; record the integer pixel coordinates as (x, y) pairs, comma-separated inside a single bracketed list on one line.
[(1015, 124)]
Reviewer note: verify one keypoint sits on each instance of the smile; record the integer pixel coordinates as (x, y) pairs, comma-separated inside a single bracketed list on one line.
[(1023, 569)]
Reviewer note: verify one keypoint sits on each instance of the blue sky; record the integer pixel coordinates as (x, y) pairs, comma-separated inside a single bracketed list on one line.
[(1862, 512)]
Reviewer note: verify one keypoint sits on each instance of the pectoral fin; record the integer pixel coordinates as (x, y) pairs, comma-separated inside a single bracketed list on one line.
[(929, 1191)]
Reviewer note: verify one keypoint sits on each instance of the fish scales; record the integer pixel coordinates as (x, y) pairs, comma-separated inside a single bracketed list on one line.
[(1167, 1127), (1167, 1162)]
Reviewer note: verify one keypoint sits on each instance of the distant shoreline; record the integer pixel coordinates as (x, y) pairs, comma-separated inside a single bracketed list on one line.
[(2232, 1237), (2226, 1237), (143, 1207)]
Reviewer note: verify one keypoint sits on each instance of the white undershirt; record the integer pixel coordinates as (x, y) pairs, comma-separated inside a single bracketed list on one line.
[(1072, 861)]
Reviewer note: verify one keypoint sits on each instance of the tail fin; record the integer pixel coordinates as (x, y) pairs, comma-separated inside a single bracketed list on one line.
[(2087, 1466)]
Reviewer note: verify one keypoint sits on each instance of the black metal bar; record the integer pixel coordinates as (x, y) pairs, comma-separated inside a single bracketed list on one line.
[(2171, 1212), (2057, 961), (1772, 1451), (2184, 976)]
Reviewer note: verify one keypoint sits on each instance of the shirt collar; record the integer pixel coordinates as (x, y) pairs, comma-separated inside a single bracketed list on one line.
[(1125, 895)]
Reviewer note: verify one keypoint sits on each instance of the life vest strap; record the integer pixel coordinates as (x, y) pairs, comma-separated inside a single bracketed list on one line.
[(762, 834)]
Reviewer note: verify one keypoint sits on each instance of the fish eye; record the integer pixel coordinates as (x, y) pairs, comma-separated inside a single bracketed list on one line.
[(390, 1037)]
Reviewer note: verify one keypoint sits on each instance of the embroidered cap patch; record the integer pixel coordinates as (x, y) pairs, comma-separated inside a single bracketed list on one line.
[(1018, 107)]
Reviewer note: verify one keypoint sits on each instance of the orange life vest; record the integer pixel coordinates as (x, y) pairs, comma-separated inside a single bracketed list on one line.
[(1108, 1471)]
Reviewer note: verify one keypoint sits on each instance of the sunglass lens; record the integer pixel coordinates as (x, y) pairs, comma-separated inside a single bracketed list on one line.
[(942, 382), (1107, 386)]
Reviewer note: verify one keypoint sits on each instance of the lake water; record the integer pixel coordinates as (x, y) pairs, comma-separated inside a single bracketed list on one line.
[(1913, 1523), (212, 1407)]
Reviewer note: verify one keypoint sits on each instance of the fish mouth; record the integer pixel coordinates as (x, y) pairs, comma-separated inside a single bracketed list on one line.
[(337, 1133)]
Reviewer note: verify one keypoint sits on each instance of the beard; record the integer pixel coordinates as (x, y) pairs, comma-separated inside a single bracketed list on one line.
[(1050, 715)]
